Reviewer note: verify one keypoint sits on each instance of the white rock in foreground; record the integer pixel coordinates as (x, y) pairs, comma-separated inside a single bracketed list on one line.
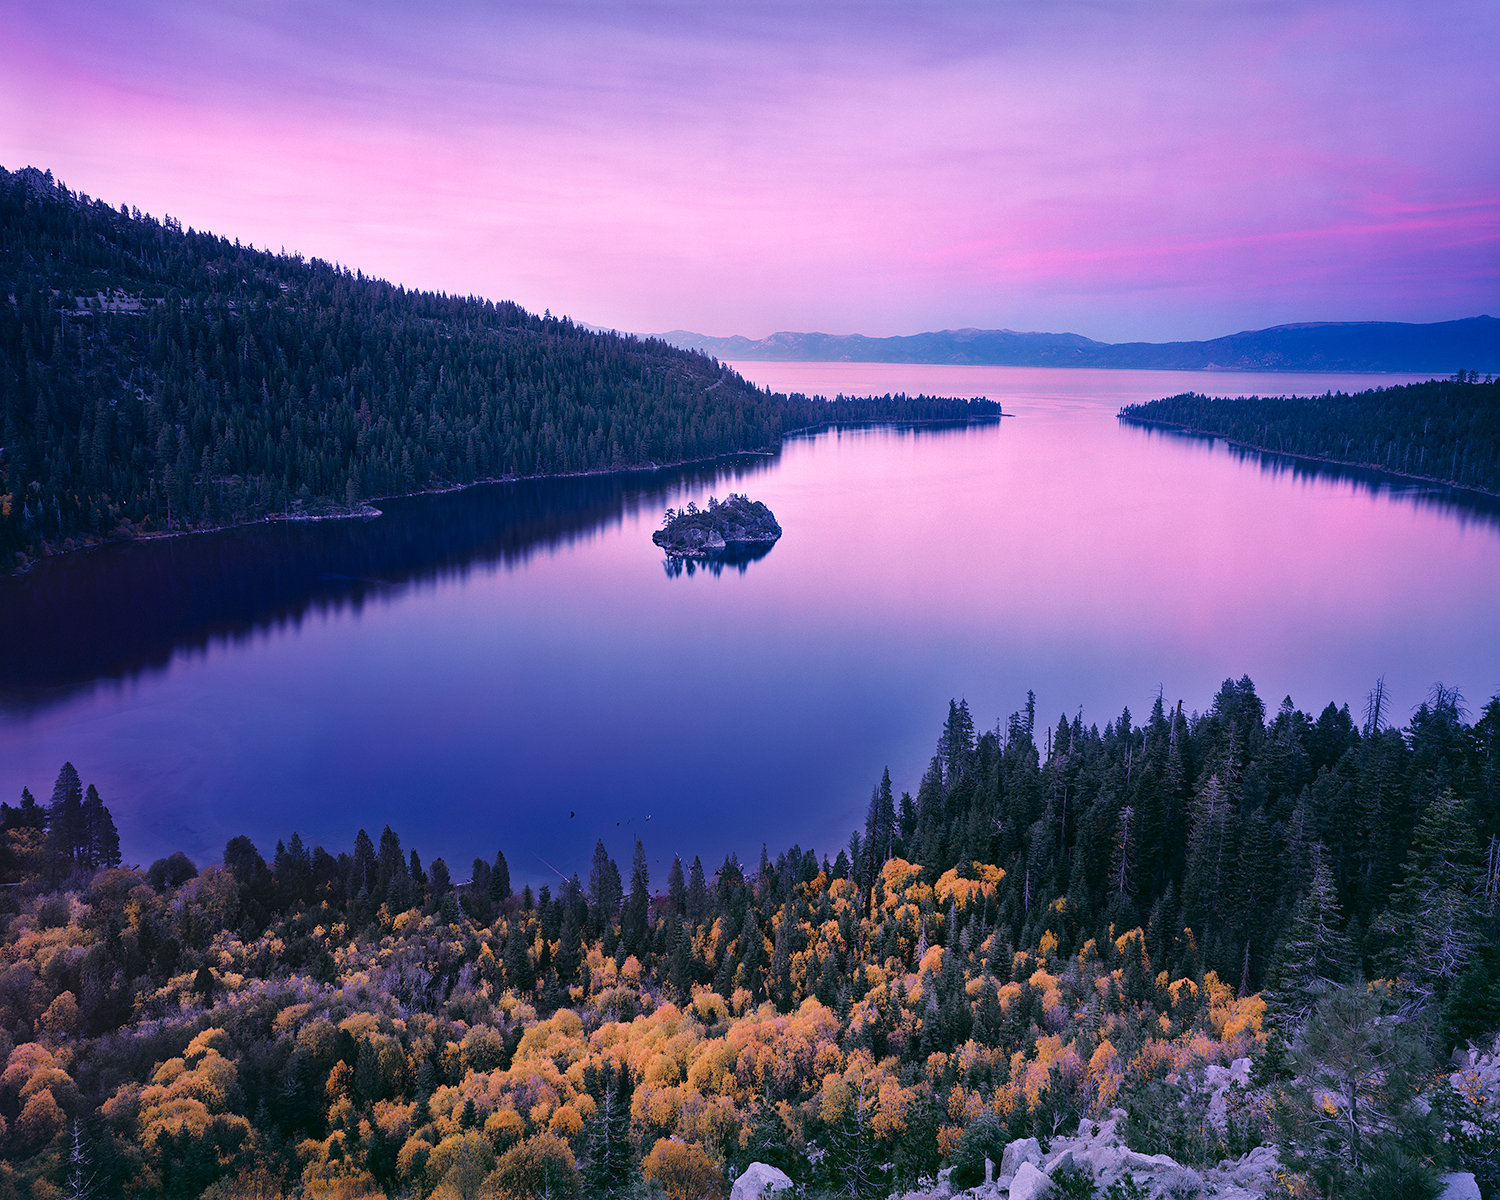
[(1029, 1183), (758, 1181), (1025, 1150), (1098, 1151), (1460, 1186)]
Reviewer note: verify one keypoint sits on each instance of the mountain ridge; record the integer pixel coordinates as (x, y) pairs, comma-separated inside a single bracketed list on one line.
[(1471, 343)]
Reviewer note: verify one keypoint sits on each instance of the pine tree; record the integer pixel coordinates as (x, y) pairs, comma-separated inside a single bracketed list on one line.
[(752, 955), (1314, 958), (679, 961), (956, 747), (389, 861), (569, 946), (66, 835), (363, 865), (611, 1165), (880, 823), (1352, 1121), (636, 917), (605, 890), (519, 970), (955, 1016), (697, 895), (101, 837), (1433, 917), (781, 987), (1208, 884), (831, 980), (1255, 874), (987, 1013), (500, 879)]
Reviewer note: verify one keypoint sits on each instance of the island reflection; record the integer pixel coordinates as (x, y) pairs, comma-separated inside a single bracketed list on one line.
[(125, 608), (677, 565)]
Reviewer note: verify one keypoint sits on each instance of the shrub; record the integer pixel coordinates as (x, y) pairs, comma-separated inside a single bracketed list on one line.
[(684, 1172), (540, 1168), (986, 1137)]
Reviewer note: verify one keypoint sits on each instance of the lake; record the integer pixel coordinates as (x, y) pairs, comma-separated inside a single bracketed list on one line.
[(512, 667)]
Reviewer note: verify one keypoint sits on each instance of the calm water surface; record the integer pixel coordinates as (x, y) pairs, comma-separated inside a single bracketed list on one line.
[(512, 667)]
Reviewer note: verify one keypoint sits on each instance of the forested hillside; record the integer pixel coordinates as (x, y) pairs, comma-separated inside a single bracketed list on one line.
[(159, 378), (1448, 430), (1061, 920)]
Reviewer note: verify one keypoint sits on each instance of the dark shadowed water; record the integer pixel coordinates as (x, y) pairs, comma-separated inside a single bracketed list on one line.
[(512, 666)]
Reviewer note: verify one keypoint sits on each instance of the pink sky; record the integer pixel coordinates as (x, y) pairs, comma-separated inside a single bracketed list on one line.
[(1152, 170)]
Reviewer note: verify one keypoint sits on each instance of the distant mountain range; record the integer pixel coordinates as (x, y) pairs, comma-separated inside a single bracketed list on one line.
[(1444, 347)]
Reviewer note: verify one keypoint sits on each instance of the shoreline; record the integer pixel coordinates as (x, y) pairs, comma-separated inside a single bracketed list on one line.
[(368, 511), (1311, 458)]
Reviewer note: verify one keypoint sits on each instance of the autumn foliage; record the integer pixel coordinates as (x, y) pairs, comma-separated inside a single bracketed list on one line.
[(352, 1025)]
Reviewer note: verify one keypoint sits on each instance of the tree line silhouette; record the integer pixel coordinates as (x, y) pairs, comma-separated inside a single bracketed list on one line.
[(157, 378), (1445, 429)]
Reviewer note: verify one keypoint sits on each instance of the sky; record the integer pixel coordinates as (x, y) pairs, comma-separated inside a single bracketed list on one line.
[(1152, 170)]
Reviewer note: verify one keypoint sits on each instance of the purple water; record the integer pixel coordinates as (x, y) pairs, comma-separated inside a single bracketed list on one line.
[(511, 667)]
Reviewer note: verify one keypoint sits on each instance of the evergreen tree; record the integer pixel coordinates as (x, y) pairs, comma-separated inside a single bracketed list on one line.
[(679, 968), (389, 861), (676, 889), (1315, 956), (569, 946), (293, 872), (605, 890), (1256, 882), (781, 987), (880, 823), (1433, 919), (66, 835), (1209, 883), (519, 970), (363, 865), (1352, 1120), (697, 895), (752, 956), (610, 1168), (102, 839), (636, 916), (500, 879)]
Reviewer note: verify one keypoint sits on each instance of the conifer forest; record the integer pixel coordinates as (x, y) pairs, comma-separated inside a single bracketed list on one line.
[(160, 379), (1063, 921), (1446, 429)]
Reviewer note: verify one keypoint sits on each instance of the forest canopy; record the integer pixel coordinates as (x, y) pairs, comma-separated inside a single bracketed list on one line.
[(153, 377), (1446, 429), (1063, 920)]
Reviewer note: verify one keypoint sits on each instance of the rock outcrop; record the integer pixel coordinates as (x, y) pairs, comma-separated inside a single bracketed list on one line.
[(736, 527), (1098, 1151), (759, 1182)]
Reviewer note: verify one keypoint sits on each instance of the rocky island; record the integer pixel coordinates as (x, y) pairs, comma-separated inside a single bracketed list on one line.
[(732, 528)]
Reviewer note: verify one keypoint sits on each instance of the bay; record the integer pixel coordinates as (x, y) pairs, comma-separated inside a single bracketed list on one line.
[(511, 666)]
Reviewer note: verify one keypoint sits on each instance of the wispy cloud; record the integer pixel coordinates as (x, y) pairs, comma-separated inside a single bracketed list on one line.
[(1124, 169)]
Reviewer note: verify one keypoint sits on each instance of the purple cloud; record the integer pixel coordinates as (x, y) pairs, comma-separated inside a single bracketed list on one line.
[(1125, 170)]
